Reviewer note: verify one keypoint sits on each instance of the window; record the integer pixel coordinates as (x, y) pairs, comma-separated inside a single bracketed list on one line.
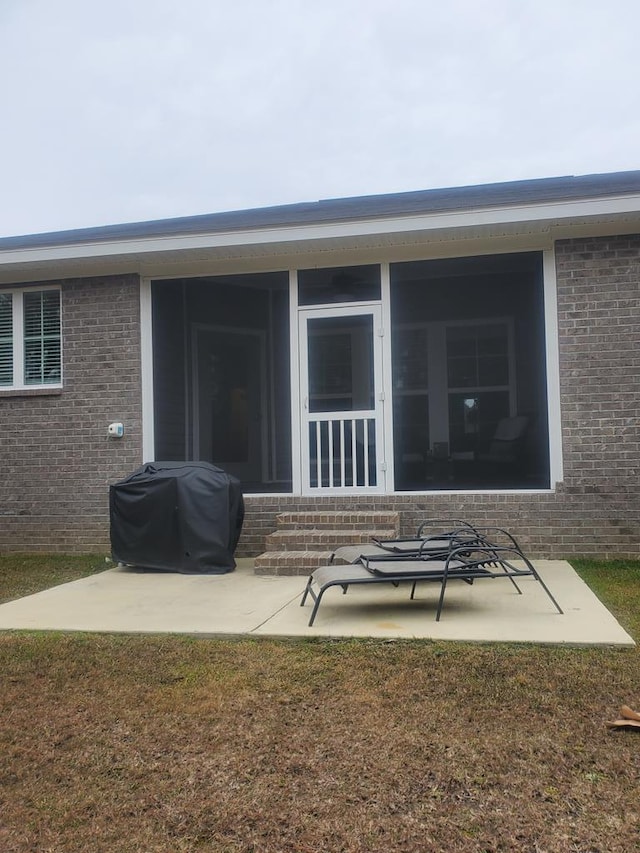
[(6, 339), (30, 339)]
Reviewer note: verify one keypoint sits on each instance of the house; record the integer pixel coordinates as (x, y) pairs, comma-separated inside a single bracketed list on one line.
[(470, 352)]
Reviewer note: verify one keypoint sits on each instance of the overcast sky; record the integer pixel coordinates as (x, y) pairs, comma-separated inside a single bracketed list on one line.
[(132, 110)]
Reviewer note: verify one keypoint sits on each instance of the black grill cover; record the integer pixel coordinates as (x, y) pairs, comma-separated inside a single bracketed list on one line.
[(177, 517)]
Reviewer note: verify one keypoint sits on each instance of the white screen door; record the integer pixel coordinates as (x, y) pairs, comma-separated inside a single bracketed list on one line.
[(341, 419)]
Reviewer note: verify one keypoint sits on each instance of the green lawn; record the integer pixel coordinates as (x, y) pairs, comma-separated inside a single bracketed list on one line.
[(131, 743), (24, 574)]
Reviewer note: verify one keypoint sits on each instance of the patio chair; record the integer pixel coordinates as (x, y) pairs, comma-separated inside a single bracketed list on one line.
[(449, 534), (468, 565), (434, 538), (502, 462), (508, 440)]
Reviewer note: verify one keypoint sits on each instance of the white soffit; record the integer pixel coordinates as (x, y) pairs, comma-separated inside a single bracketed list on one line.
[(541, 221)]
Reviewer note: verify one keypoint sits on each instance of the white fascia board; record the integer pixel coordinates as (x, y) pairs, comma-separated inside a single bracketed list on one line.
[(553, 213)]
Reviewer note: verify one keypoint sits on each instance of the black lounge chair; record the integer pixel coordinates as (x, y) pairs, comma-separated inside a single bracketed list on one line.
[(451, 534), (461, 564)]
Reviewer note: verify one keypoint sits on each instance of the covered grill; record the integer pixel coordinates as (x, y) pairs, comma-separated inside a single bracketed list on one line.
[(177, 517)]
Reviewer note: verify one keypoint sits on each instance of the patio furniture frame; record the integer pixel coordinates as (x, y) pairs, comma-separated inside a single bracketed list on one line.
[(486, 561), (433, 546)]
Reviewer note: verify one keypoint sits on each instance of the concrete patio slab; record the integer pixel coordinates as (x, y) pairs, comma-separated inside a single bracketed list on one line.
[(136, 601)]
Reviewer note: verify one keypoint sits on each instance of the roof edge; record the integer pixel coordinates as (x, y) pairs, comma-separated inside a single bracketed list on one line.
[(529, 192)]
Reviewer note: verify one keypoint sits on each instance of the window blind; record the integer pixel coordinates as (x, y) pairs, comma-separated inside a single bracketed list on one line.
[(42, 350), (6, 339)]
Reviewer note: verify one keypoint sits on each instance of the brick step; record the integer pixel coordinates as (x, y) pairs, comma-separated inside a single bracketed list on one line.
[(321, 540), (337, 520), (290, 562)]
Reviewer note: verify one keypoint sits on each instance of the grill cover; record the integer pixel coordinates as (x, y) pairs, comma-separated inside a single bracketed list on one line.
[(177, 517)]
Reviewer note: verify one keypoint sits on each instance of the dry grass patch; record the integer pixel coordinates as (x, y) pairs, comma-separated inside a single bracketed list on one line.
[(144, 744)]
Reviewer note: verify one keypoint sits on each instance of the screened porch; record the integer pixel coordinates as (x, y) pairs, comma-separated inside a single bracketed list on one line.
[(408, 377)]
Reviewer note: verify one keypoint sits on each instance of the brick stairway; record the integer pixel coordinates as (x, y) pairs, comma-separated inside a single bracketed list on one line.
[(305, 540)]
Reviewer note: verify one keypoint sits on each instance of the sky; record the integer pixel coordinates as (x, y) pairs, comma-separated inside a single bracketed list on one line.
[(133, 110)]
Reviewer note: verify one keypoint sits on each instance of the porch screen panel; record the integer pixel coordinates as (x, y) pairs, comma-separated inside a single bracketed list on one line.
[(469, 371), (411, 404), (339, 284)]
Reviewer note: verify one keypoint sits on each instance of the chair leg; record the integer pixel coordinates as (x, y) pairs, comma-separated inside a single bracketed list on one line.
[(534, 572), (505, 568), (504, 565), (316, 605), (307, 591), (441, 599), (545, 588)]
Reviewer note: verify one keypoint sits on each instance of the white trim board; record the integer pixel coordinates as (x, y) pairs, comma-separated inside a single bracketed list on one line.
[(554, 213)]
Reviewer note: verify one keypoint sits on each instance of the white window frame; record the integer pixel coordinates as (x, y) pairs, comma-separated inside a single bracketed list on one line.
[(17, 303)]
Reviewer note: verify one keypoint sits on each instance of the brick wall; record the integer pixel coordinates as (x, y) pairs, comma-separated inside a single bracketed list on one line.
[(55, 455), (57, 461)]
